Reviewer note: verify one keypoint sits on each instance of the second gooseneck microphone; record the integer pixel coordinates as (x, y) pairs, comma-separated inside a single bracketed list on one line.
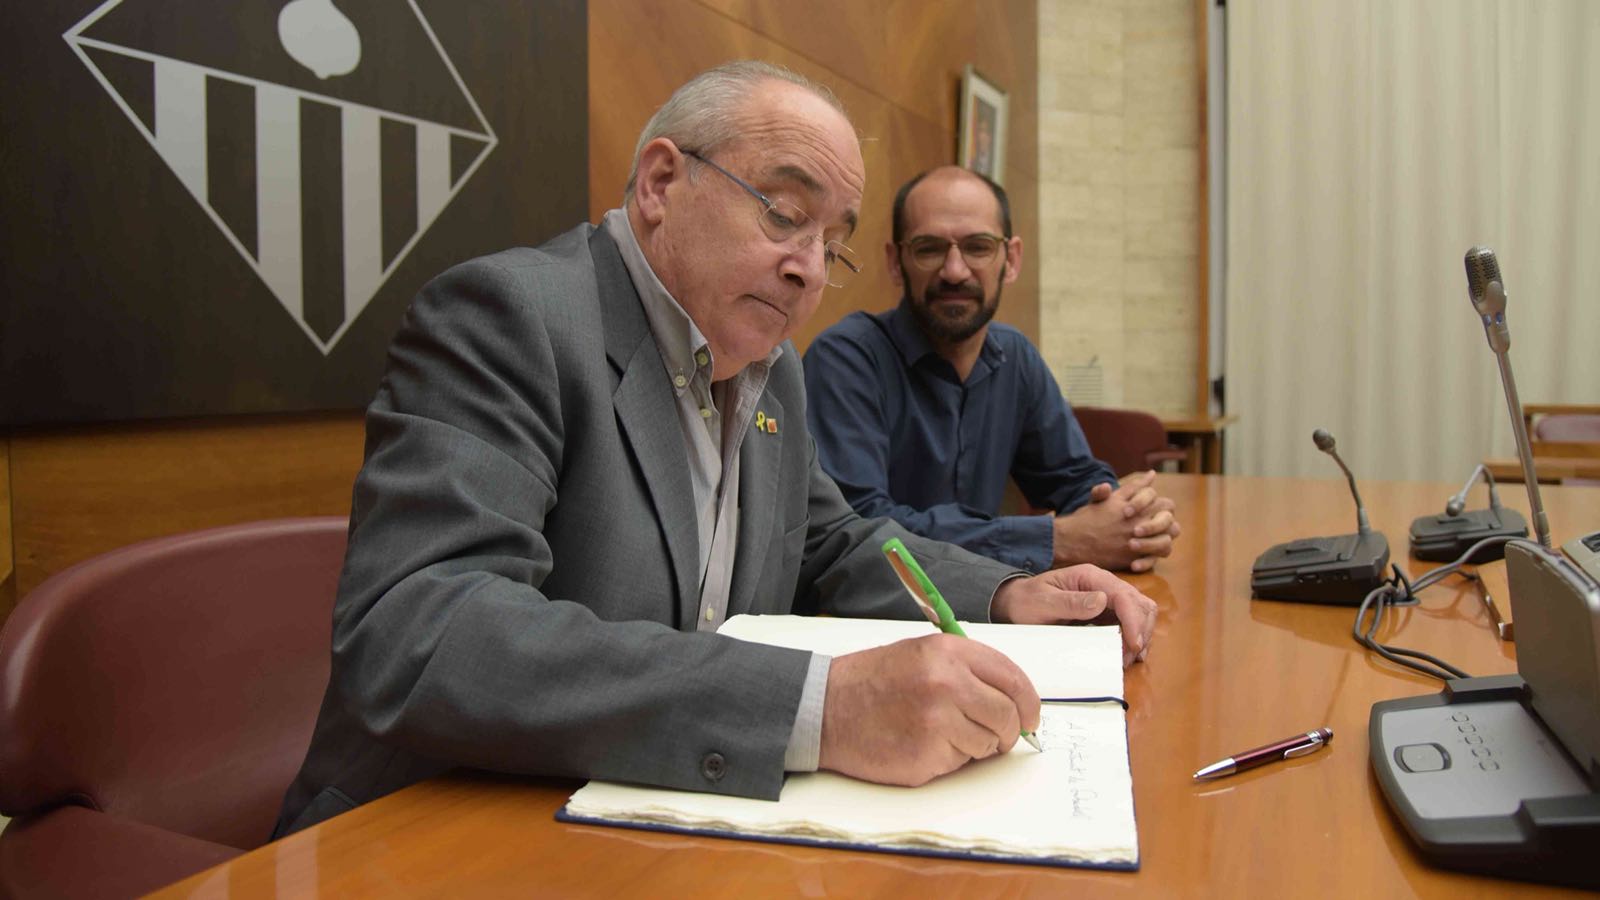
[(1458, 503)]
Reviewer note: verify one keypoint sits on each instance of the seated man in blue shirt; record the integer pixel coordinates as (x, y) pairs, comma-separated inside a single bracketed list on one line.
[(922, 412)]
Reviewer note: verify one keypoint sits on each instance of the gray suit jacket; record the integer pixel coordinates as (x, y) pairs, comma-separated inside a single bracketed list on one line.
[(521, 585)]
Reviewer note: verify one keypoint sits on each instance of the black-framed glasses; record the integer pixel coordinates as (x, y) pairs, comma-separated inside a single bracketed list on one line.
[(781, 221), (928, 253)]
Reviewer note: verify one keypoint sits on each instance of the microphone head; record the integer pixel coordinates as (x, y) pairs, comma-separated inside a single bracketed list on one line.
[(1323, 440), (1482, 268), (1455, 506)]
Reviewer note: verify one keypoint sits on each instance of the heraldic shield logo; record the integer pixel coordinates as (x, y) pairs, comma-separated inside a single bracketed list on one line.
[(322, 139)]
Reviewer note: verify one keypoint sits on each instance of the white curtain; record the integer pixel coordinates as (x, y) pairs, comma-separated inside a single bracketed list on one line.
[(1370, 144)]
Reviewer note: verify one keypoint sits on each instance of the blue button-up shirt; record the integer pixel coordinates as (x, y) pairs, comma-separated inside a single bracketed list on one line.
[(904, 437)]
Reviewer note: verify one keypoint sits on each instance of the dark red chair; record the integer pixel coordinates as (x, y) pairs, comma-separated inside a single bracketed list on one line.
[(1127, 440), (156, 701)]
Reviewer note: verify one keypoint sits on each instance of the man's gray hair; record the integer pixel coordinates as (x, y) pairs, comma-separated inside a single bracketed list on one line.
[(703, 114)]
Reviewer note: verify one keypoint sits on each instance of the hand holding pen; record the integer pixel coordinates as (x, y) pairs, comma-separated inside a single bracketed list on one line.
[(920, 587), (907, 712)]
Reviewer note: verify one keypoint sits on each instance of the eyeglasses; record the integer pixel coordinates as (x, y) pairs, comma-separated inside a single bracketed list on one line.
[(928, 253), (781, 221)]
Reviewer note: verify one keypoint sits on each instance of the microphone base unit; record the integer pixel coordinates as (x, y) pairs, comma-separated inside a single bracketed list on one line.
[(1501, 775), (1443, 538), (1340, 570), (1480, 784)]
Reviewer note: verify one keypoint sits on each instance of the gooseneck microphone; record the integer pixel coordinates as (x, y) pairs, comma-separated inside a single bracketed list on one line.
[(1324, 442), (1340, 569), (1458, 531), (1458, 503), (1488, 294)]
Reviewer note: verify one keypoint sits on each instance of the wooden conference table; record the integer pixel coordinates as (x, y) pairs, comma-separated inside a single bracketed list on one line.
[(1225, 673)]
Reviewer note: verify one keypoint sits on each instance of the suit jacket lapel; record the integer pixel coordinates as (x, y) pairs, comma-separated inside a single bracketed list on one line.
[(759, 463), (647, 413)]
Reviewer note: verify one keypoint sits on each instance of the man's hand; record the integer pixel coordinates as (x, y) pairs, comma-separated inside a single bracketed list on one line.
[(911, 711), (1081, 593), (1125, 529)]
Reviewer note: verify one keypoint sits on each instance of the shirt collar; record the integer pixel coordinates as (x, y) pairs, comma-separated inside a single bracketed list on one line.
[(684, 349), (913, 344)]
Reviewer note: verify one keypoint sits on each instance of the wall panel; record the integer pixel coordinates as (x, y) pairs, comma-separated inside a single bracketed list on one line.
[(8, 583), (84, 491)]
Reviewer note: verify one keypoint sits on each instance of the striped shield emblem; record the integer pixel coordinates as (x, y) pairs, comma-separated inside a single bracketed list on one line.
[(323, 139)]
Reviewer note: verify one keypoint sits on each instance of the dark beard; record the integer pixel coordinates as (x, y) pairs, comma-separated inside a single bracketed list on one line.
[(952, 331)]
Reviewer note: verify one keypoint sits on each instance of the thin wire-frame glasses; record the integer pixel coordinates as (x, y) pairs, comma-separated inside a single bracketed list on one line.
[(979, 250), (781, 221)]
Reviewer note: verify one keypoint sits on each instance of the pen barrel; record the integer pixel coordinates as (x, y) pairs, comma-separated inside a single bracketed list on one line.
[(1275, 750)]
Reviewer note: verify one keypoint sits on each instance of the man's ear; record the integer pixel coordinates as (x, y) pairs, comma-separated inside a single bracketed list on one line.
[(1013, 258), (891, 261), (660, 164)]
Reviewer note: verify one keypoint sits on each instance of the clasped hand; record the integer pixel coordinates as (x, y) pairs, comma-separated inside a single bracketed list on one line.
[(1128, 528)]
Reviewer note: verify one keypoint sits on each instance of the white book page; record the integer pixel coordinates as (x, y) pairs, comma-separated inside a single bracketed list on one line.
[(1064, 661), (1073, 802)]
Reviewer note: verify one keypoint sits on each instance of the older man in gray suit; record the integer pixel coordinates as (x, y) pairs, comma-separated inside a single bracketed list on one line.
[(585, 456)]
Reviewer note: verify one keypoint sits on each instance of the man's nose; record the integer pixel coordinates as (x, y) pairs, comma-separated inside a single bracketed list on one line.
[(806, 265), (954, 268)]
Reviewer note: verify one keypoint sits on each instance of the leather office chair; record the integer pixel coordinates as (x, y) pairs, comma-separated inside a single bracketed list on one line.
[(156, 701), (1127, 440), (1568, 432), (1571, 428)]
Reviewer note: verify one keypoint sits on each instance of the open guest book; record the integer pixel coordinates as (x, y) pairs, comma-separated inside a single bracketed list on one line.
[(1070, 805)]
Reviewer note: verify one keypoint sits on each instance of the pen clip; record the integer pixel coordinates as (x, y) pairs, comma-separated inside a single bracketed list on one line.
[(1314, 741), (1305, 749)]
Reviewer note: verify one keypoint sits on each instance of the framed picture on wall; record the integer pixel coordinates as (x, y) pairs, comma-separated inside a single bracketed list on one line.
[(983, 126)]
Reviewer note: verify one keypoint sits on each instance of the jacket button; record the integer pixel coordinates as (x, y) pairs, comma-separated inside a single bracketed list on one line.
[(713, 766)]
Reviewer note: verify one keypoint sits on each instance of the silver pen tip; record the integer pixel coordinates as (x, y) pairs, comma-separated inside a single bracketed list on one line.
[(1033, 741)]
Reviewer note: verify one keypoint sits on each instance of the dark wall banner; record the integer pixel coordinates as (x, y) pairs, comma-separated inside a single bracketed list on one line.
[(225, 207)]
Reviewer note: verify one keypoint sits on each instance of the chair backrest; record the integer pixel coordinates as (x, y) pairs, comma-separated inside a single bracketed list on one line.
[(1572, 429), (1127, 440), (174, 682)]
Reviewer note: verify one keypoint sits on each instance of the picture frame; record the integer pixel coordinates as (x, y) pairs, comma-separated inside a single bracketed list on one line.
[(983, 126)]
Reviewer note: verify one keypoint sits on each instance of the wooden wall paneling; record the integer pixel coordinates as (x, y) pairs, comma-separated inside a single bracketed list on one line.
[(929, 44), (81, 492), (1202, 43), (843, 37), (8, 583)]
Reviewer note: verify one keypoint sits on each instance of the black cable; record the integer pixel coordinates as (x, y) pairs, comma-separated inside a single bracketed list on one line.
[(1396, 655), (1400, 589)]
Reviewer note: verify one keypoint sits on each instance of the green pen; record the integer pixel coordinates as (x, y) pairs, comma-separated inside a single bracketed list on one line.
[(921, 589)]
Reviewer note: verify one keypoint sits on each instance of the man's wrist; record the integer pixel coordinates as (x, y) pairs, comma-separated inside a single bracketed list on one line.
[(1065, 549), (997, 610)]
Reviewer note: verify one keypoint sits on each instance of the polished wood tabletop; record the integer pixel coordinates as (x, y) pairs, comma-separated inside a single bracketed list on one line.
[(1225, 673)]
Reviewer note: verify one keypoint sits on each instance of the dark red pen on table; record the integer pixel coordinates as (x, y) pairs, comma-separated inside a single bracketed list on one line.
[(1288, 748)]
